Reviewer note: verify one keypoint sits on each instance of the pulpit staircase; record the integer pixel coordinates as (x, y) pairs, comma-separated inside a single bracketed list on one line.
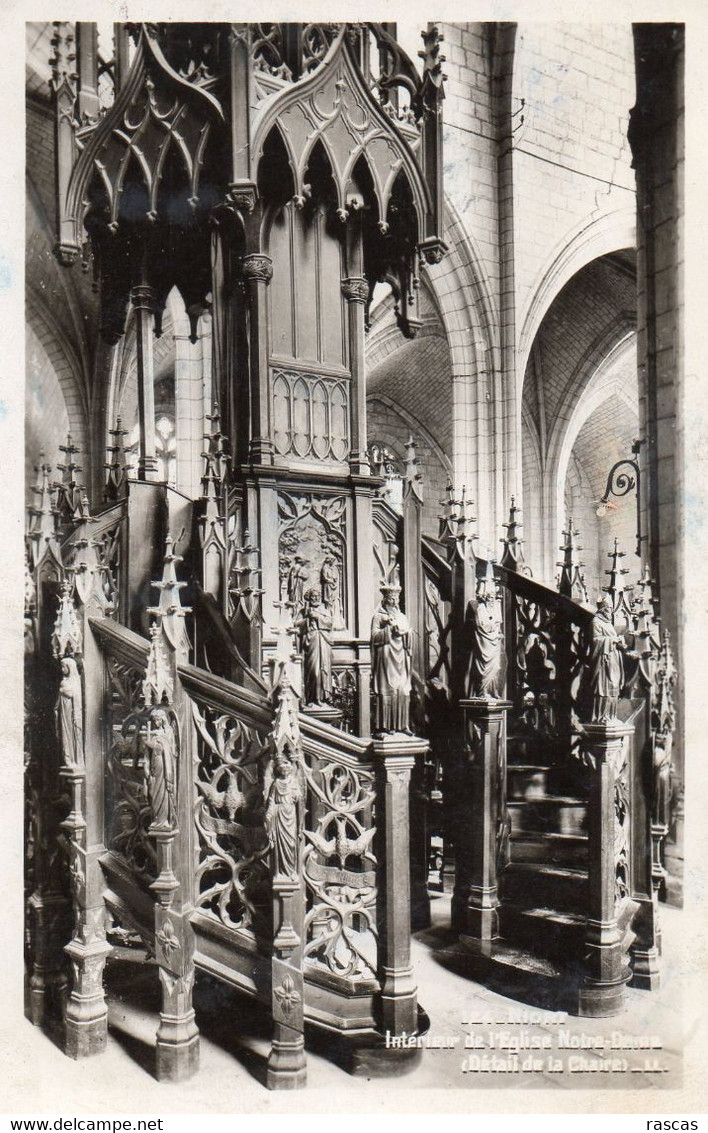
[(538, 890), (197, 805)]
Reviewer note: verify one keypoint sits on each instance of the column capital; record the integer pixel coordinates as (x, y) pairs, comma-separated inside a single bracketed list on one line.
[(355, 288), (142, 297), (258, 266)]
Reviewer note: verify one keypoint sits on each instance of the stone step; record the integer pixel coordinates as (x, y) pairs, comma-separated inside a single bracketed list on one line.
[(544, 930), (554, 813), (526, 781), (532, 884), (552, 848)]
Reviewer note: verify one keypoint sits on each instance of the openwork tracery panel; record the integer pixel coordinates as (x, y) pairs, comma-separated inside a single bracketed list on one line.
[(310, 415), (232, 879), (128, 813), (340, 871)]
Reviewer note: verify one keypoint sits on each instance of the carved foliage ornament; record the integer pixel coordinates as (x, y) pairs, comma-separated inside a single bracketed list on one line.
[(340, 926), (232, 876), (258, 266), (356, 289)]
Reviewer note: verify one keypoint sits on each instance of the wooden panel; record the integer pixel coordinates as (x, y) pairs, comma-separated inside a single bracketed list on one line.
[(332, 310), (306, 292), (280, 291)]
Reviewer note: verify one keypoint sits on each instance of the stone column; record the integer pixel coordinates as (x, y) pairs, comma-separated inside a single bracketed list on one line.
[(143, 299), (481, 825), (355, 289), (395, 756), (258, 272), (606, 970)]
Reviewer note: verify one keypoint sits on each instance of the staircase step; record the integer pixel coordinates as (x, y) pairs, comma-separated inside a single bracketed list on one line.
[(547, 932), (554, 813), (526, 781), (562, 888), (550, 847)]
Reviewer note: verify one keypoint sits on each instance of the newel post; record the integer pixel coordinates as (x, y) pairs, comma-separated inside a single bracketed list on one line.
[(80, 723), (481, 825), (285, 793), (606, 746), (168, 749), (395, 755)]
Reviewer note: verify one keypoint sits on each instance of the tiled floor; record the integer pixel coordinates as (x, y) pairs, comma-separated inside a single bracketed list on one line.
[(235, 1043)]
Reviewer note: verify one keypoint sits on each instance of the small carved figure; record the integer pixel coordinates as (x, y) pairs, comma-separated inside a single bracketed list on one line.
[(70, 714), (161, 746), (391, 647), (315, 626), (329, 580), (487, 655), (285, 795), (296, 583), (606, 667)]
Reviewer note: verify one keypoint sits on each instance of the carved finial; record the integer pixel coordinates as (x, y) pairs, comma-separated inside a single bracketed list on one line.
[(663, 713), (117, 467), (245, 577), (63, 60), (69, 491), (66, 636), (158, 684), (446, 529), (413, 481), (513, 555), (572, 581), (169, 610), (616, 590), (216, 462)]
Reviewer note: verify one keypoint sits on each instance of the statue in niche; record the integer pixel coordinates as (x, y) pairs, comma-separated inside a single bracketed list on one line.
[(160, 744), (487, 654), (391, 648), (70, 714), (284, 790), (606, 667), (297, 580), (331, 592), (315, 628)]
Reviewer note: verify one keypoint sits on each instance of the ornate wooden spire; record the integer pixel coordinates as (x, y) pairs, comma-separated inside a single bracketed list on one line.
[(70, 493), (412, 479), (572, 581), (618, 593), (117, 468), (169, 611), (513, 556)]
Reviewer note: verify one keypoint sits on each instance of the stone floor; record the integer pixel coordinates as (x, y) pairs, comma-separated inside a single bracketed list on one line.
[(515, 1009)]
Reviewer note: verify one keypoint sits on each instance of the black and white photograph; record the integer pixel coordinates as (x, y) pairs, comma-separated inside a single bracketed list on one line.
[(356, 524)]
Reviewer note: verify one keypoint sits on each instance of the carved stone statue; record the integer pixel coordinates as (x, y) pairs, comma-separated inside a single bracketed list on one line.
[(161, 746), (391, 648), (70, 714), (297, 579), (487, 655), (285, 796), (329, 581), (315, 626), (606, 667)]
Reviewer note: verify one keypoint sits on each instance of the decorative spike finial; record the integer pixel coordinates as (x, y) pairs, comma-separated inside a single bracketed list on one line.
[(158, 685), (169, 610), (513, 555), (66, 636), (618, 593), (571, 582), (117, 467)]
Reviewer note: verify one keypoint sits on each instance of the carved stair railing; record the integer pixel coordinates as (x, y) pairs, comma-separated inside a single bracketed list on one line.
[(544, 715), (239, 913)]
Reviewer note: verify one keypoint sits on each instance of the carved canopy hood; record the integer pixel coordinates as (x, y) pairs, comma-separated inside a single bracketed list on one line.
[(142, 183)]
